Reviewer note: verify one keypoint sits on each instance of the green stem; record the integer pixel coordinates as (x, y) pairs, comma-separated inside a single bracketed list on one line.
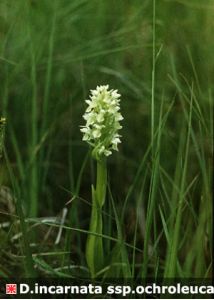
[(101, 182), (94, 245), (29, 264), (33, 187)]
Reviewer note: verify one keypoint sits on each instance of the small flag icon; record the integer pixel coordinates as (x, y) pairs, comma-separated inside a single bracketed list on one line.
[(11, 289)]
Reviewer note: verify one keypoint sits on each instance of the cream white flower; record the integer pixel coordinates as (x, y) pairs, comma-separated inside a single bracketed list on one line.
[(102, 118)]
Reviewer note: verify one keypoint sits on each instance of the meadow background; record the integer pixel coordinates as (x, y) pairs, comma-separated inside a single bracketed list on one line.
[(158, 215)]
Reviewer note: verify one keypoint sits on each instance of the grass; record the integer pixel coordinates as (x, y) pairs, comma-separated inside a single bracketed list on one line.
[(157, 220)]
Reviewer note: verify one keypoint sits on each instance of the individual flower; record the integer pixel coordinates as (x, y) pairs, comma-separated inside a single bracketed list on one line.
[(102, 118)]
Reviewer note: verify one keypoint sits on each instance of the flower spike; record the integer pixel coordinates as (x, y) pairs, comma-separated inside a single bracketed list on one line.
[(102, 118)]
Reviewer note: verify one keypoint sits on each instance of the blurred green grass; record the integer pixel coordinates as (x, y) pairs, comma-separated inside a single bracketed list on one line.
[(51, 54)]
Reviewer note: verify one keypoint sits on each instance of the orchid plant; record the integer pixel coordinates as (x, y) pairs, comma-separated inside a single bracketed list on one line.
[(102, 118)]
